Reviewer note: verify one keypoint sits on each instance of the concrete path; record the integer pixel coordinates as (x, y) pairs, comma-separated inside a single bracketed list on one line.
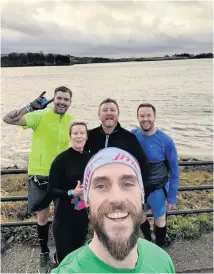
[(188, 256)]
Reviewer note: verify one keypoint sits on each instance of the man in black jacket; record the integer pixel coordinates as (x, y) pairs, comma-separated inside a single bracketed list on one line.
[(111, 134)]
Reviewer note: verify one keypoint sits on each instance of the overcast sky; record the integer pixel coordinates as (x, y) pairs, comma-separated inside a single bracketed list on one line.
[(107, 28)]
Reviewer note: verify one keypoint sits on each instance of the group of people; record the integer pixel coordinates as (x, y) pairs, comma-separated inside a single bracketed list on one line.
[(108, 176)]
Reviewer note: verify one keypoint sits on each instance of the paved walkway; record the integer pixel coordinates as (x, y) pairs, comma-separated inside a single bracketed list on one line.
[(188, 256)]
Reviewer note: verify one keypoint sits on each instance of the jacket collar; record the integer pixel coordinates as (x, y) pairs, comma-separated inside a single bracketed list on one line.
[(56, 114), (118, 127)]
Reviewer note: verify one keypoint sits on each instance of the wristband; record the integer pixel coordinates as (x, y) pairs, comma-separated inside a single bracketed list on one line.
[(69, 192), (28, 108)]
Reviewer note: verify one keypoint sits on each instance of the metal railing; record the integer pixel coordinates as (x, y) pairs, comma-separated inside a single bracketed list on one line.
[(181, 163), (172, 212), (184, 188)]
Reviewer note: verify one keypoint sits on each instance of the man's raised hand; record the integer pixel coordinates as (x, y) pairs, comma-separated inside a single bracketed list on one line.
[(41, 102)]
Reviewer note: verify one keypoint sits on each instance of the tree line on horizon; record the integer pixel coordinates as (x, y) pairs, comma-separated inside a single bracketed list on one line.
[(15, 59)]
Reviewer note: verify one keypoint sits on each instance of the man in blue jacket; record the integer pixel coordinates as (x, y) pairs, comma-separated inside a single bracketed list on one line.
[(162, 186)]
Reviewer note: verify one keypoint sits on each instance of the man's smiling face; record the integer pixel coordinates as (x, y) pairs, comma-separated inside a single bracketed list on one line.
[(115, 202)]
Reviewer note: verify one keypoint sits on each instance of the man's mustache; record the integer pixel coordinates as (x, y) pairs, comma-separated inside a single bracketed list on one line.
[(120, 207), (107, 207)]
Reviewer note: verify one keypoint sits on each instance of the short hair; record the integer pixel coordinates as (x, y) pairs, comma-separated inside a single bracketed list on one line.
[(77, 124), (147, 105), (63, 89), (109, 100)]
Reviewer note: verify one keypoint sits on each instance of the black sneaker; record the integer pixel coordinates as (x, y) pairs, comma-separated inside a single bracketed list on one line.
[(53, 263), (170, 237), (44, 262)]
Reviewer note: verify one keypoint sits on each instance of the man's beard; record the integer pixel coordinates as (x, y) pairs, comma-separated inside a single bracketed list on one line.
[(109, 126), (146, 129), (119, 248), (63, 111)]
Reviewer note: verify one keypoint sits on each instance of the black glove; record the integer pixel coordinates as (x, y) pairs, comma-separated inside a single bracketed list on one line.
[(41, 102)]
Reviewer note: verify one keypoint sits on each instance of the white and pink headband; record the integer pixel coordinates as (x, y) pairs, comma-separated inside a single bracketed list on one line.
[(107, 156)]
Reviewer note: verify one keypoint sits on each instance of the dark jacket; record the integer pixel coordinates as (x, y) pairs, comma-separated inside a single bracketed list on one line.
[(121, 138)]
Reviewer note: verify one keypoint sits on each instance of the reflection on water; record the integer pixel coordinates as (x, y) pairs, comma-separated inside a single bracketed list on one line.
[(180, 90)]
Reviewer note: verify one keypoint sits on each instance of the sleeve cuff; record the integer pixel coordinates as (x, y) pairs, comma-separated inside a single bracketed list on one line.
[(70, 193)]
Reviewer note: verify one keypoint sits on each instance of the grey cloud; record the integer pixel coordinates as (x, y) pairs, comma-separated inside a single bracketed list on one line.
[(110, 28), (167, 45), (19, 18)]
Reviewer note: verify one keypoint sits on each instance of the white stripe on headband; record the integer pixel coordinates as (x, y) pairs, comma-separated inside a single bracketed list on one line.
[(106, 156)]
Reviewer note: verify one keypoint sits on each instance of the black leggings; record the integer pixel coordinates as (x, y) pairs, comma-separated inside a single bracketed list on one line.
[(70, 232)]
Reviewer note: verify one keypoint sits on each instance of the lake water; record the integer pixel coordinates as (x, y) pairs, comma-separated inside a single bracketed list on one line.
[(181, 91)]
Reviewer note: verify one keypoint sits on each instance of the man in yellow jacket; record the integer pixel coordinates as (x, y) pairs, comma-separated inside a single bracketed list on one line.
[(50, 137)]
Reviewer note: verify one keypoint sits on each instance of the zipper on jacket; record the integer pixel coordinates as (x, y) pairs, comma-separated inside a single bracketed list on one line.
[(60, 133), (106, 142), (107, 136)]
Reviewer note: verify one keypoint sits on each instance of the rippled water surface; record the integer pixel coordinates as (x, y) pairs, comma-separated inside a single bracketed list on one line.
[(182, 92)]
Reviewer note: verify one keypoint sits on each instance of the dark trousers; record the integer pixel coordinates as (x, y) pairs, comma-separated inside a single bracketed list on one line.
[(70, 231)]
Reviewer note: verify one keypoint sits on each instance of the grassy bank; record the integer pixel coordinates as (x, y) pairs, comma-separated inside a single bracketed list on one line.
[(184, 226), (191, 226)]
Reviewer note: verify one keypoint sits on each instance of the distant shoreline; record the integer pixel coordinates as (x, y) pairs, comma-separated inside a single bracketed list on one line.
[(39, 59)]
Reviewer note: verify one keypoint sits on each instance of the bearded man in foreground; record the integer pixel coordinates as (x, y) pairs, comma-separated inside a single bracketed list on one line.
[(113, 190)]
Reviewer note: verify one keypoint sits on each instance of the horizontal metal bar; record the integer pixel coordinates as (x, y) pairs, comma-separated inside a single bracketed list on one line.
[(184, 188), (191, 211), (13, 198), (181, 163), (188, 188), (186, 212), (9, 224), (172, 212), (195, 163), (13, 171)]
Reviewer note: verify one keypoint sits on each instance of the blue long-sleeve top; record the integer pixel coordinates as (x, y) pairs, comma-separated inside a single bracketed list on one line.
[(163, 158)]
